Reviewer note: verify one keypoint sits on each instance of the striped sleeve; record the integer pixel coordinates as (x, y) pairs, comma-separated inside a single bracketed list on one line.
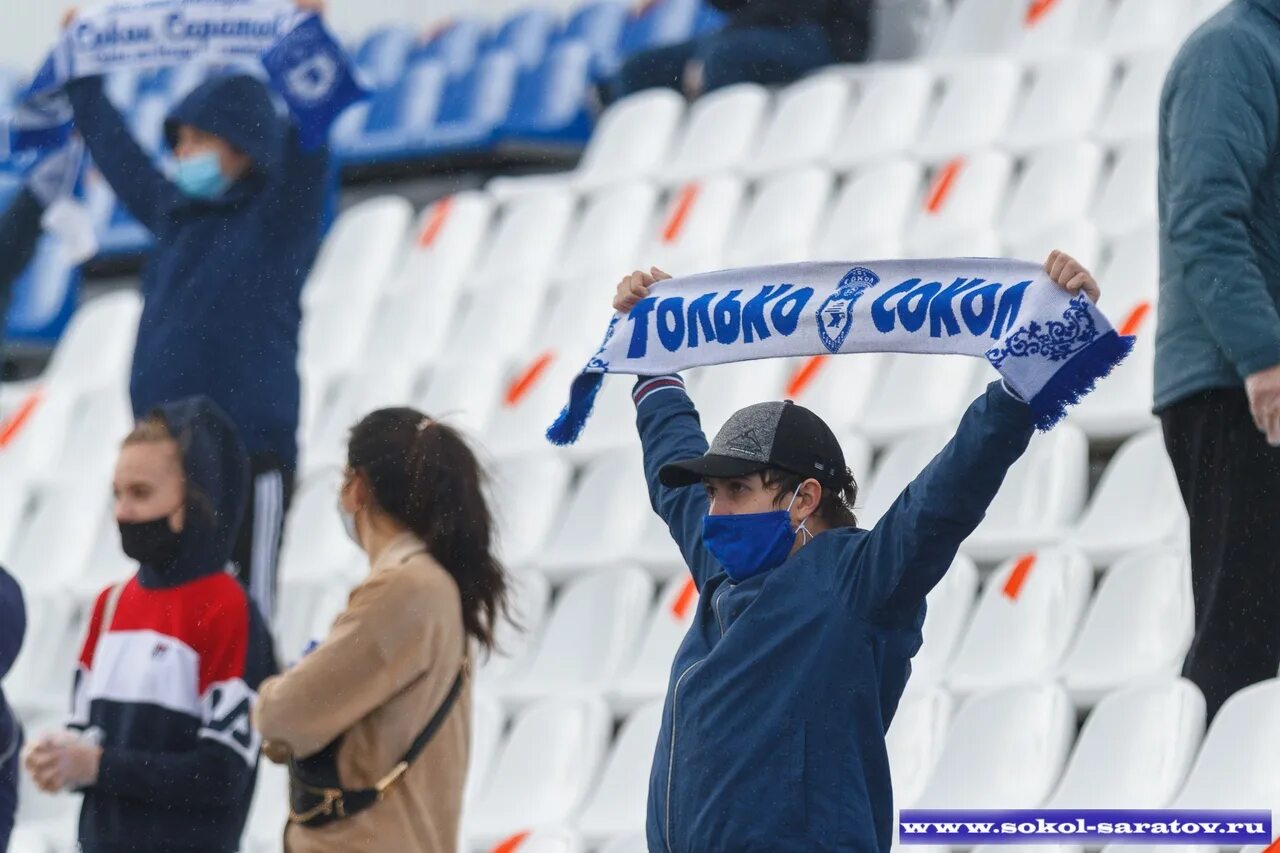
[(646, 386)]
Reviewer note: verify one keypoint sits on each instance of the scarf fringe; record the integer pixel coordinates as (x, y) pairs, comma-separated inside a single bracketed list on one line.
[(582, 399), (1077, 378)]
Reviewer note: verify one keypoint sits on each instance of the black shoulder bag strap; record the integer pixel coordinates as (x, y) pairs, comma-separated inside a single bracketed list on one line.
[(316, 796)]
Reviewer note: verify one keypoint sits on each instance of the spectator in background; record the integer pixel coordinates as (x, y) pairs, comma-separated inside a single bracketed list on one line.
[(764, 41), (163, 747), (393, 670), (1217, 366), (20, 227), (236, 232), (13, 625)]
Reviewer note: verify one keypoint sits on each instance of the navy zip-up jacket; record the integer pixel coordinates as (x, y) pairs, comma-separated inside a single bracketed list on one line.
[(222, 289), (773, 733), (170, 679)]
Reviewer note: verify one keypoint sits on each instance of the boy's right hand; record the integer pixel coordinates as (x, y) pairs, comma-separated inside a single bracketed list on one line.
[(635, 287), (69, 16)]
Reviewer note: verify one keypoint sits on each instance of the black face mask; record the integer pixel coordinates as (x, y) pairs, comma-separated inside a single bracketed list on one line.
[(150, 542)]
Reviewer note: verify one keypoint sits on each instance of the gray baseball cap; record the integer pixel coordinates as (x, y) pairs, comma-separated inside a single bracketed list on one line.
[(767, 435)]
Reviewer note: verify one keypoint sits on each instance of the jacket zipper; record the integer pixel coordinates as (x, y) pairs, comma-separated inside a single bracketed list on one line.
[(671, 760), (718, 599)]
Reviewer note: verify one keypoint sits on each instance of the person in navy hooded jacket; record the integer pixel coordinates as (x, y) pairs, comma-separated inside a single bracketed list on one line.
[(773, 733), (236, 232), (160, 739), (13, 625)]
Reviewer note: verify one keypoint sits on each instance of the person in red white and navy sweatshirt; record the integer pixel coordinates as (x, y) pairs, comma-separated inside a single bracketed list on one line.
[(160, 740)]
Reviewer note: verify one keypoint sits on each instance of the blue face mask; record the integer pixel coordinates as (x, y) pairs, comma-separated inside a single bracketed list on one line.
[(751, 543), (200, 176)]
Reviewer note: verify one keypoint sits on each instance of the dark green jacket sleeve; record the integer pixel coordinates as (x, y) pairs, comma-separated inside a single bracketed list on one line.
[(1220, 129)]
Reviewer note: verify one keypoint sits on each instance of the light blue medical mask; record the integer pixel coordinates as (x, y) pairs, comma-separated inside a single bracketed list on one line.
[(751, 543), (200, 176)]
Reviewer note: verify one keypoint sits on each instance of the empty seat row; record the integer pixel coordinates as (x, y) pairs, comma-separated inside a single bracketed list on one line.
[(845, 118)]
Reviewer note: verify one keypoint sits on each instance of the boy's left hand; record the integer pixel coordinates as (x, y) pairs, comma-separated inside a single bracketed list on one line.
[(1069, 273)]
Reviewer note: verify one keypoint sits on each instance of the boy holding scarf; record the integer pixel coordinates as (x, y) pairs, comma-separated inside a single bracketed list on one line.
[(772, 737), (236, 230)]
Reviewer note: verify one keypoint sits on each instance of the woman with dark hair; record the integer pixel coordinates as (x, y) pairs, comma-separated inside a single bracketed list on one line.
[(374, 723)]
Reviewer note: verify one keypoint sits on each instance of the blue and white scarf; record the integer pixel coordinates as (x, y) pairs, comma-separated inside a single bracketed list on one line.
[(302, 59), (1050, 348)]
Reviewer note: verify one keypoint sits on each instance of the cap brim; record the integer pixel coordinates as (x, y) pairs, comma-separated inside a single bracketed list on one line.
[(691, 471)]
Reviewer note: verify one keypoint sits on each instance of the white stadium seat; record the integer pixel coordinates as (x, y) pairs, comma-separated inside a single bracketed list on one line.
[(1127, 200), (1139, 626), (1005, 750), (886, 119), (526, 494), (618, 799), (1136, 504), (1042, 495), (41, 677), (1236, 765), (269, 811), (918, 392), (782, 220), (947, 612), (722, 389), (645, 678), (526, 242), (806, 118), (1078, 238), (608, 236), (487, 724), (1066, 173), (590, 636), (656, 551), (837, 390), (361, 253), (633, 843), (544, 770), (964, 195), (977, 26), (1135, 748), (978, 97), (1133, 110), (1024, 622), (56, 546), (720, 133), (915, 739), (97, 346), (1063, 101), (1142, 24), (633, 139), (692, 231), (600, 523), (869, 215), (898, 466), (516, 638)]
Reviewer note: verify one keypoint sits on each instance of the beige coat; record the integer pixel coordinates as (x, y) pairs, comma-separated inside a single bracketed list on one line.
[(379, 676)]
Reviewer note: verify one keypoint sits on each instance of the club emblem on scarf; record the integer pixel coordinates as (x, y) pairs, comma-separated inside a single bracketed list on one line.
[(835, 314), (314, 78)]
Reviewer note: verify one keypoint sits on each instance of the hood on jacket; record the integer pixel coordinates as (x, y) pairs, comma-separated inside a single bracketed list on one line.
[(217, 471), (239, 109), (13, 624)]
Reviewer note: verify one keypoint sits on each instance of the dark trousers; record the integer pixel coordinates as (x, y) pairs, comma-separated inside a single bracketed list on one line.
[(257, 551), (1230, 481), (771, 55)]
